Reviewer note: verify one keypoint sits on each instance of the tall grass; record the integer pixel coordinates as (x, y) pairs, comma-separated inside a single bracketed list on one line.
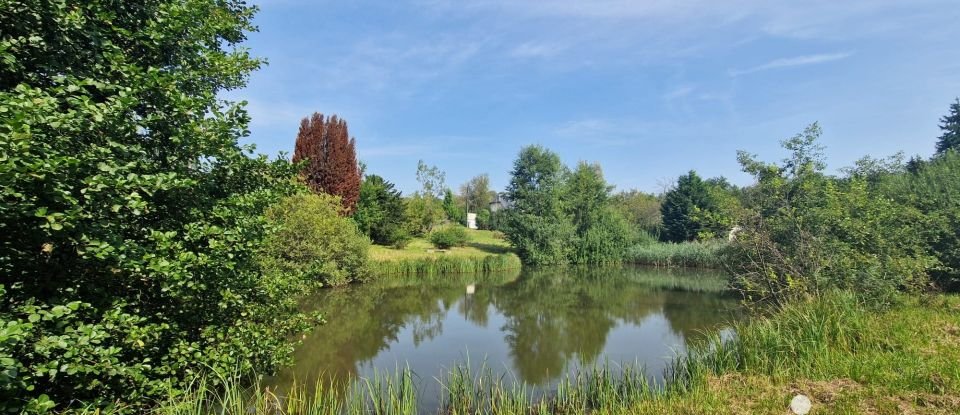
[(384, 394), (445, 265), (687, 254)]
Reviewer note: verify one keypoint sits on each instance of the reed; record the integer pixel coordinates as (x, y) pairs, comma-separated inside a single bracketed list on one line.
[(445, 265), (687, 254)]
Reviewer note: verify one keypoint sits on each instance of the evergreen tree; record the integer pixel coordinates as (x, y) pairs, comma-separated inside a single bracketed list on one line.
[(950, 125), (453, 210), (681, 205), (329, 152), (380, 211)]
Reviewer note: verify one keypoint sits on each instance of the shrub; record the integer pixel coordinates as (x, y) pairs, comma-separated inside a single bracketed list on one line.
[(806, 234), (399, 238), (934, 189), (311, 239), (449, 236), (605, 241)]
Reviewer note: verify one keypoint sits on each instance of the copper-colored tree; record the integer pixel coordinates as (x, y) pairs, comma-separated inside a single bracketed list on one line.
[(331, 156)]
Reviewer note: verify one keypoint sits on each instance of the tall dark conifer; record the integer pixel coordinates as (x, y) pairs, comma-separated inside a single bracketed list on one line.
[(950, 125), (330, 152)]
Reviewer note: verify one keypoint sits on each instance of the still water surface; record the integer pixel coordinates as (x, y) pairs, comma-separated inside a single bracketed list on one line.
[(533, 326)]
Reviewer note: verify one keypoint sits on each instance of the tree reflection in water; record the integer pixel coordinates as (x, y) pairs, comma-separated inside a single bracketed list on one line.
[(536, 325)]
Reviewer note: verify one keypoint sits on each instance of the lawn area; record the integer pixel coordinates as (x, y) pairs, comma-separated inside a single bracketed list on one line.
[(484, 253), (480, 244)]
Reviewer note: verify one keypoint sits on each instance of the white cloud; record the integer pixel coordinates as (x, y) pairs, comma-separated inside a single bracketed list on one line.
[(794, 61)]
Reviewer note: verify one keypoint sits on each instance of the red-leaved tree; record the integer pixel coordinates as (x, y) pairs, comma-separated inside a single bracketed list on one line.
[(331, 158)]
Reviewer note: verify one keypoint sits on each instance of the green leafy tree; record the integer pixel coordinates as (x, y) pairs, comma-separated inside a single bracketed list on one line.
[(424, 209), (313, 241), (130, 216), (641, 209), (717, 220), (477, 195), (603, 235), (380, 211), (537, 224), (683, 207), (950, 125)]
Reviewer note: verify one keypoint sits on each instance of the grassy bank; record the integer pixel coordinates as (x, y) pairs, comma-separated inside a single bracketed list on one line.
[(846, 358), (687, 254), (485, 252)]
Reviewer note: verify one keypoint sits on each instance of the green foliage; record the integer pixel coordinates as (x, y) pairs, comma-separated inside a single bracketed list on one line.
[(452, 209), (934, 189), (695, 209), (424, 210), (706, 254), (805, 234), (130, 216), (950, 125), (484, 219), (537, 225), (422, 214), (311, 240), (449, 236), (602, 234), (640, 209), (476, 194), (425, 267), (380, 212)]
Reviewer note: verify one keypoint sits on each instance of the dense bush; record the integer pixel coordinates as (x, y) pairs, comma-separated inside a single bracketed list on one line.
[(130, 216), (310, 239), (449, 236), (934, 189), (605, 241), (806, 233)]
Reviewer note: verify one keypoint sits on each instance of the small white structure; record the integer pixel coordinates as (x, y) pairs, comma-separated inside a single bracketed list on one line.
[(472, 220)]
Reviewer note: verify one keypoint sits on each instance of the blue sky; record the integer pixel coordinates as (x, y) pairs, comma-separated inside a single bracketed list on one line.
[(649, 89)]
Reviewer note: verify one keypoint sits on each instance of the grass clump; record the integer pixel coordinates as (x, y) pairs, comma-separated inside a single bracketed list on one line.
[(686, 254)]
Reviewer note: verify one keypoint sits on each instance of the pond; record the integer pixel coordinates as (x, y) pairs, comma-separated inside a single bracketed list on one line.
[(533, 326)]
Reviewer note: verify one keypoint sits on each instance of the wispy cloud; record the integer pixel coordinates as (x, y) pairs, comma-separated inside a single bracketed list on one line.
[(679, 92), (537, 50), (792, 62)]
